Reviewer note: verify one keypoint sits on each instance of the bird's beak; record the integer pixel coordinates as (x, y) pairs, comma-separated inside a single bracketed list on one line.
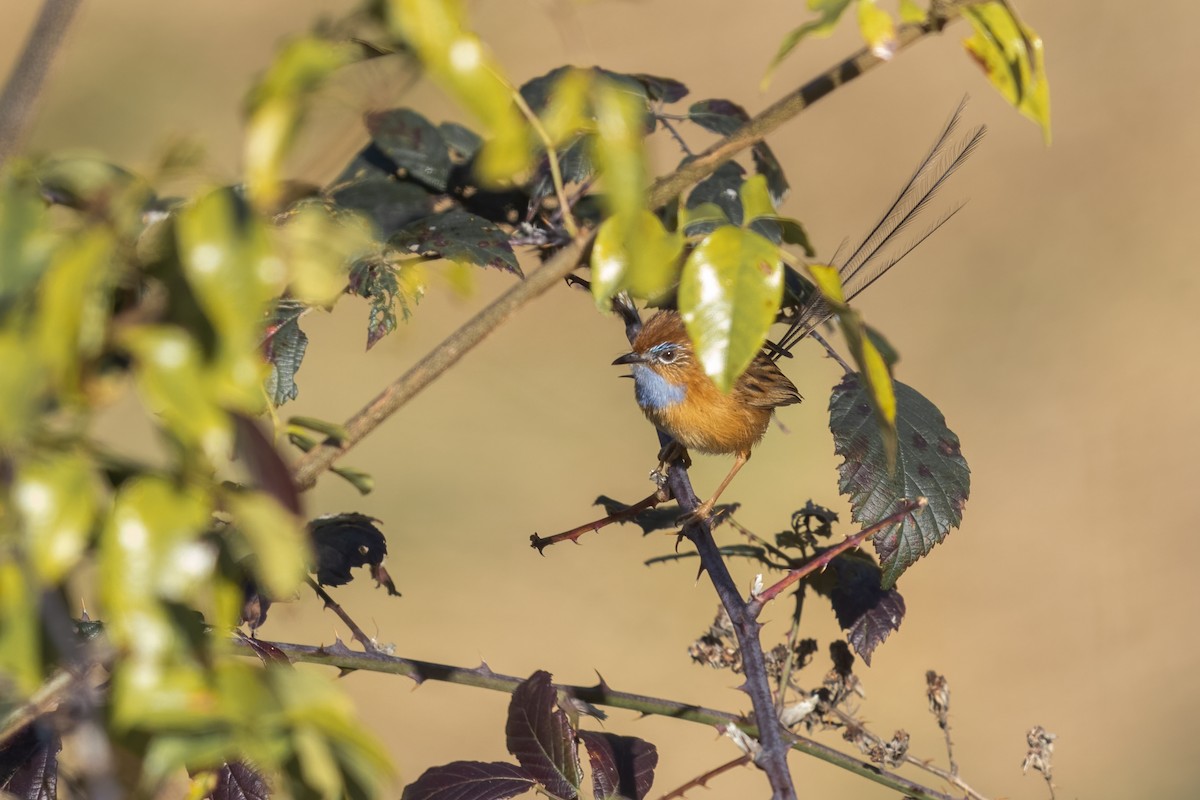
[(630, 358)]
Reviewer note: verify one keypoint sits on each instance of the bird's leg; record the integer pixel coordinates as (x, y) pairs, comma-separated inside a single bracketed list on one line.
[(672, 452), (704, 510)]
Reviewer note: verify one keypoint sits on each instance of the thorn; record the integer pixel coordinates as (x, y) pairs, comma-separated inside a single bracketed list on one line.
[(603, 684), (483, 668)]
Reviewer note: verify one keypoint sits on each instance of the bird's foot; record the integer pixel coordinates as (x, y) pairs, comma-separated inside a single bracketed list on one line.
[(702, 513)]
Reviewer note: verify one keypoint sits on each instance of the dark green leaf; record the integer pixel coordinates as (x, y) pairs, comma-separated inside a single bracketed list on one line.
[(724, 117), (929, 464), (666, 90), (390, 203), (470, 780), (830, 12), (364, 482), (574, 164), (414, 143), (458, 236), (331, 430), (284, 345), (462, 141), (722, 189), (541, 737)]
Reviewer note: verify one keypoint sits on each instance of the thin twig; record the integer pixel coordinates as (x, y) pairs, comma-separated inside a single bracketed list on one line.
[(601, 694), (568, 217), (819, 562), (702, 780), (540, 543), (25, 81), (336, 608)]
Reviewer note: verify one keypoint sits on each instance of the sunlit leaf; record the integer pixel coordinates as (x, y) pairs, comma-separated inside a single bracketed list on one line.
[(617, 147), (470, 780), (387, 287), (23, 379), (20, 641), (57, 500), (911, 12), (702, 219), (541, 737), (728, 295), (457, 59), (319, 248), (567, 112), (277, 537), (877, 28), (640, 256), (830, 12), (458, 236), (276, 108), (929, 464), (1012, 56), (173, 383), (26, 242), (234, 272)]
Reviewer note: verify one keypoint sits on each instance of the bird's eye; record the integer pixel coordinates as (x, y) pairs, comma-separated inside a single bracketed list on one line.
[(668, 355)]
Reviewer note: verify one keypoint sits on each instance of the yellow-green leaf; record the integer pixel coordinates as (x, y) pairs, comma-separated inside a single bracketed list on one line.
[(566, 115), (173, 383), (878, 30), (319, 248), (56, 498), (617, 147), (830, 12), (828, 282), (73, 305), (234, 272), (912, 13), (729, 295), (1013, 58), (20, 643), (456, 58), (276, 108), (756, 200), (22, 382), (277, 537), (641, 256)]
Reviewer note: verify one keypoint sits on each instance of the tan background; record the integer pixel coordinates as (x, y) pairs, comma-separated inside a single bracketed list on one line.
[(1054, 321)]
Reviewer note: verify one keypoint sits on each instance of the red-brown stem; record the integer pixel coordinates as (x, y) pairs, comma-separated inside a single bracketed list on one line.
[(540, 543), (702, 780), (333, 606), (756, 604)]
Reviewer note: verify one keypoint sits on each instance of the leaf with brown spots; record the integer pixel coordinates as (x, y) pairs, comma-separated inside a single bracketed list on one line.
[(458, 236), (929, 464)]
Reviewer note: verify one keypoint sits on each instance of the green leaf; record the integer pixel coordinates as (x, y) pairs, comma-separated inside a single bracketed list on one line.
[(277, 537), (640, 256), (276, 106), (284, 345), (388, 202), (929, 464), (234, 272), (460, 237), (319, 247), (911, 13), (57, 500), (23, 381), (830, 12), (728, 295), (618, 150), (722, 189), (1013, 58), (414, 143), (462, 141), (26, 240), (725, 117), (364, 482), (877, 28), (455, 58), (702, 219), (73, 305), (20, 640), (387, 287), (330, 430)]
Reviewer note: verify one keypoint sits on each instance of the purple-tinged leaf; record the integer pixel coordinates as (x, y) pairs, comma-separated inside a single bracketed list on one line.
[(265, 465), (865, 610), (622, 766), (29, 764), (929, 463), (389, 203), (269, 654), (724, 117), (470, 780), (541, 737), (667, 90), (458, 236), (239, 781), (283, 346)]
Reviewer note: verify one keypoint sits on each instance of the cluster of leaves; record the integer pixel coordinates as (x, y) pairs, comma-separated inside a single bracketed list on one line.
[(545, 742)]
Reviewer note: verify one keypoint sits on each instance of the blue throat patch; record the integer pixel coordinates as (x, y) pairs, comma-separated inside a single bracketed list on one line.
[(653, 390)]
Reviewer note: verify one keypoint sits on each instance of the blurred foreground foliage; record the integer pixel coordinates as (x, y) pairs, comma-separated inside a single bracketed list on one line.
[(196, 304)]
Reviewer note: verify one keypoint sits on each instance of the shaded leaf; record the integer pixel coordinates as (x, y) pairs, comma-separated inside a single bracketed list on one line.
[(729, 294), (929, 464), (458, 236), (542, 739), (725, 117), (722, 189), (390, 203), (666, 90), (29, 764), (470, 780), (622, 766), (264, 464), (462, 141), (284, 345), (237, 780), (387, 287), (865, 610), (414, 143), (343, 542), (1013, 58)]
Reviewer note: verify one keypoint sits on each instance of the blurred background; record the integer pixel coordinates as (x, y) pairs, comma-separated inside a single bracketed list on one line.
[(1054, 321)]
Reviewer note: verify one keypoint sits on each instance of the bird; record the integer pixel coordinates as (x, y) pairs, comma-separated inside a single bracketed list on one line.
[(679, 398)]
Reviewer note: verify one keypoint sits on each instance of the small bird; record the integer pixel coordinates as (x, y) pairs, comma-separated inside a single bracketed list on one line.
[(682, 401)]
